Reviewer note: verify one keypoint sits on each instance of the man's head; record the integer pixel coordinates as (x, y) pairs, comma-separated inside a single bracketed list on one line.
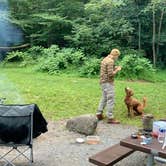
[(114, 53)]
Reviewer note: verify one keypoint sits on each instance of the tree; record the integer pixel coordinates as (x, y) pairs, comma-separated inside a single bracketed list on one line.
[(160, 27), (157, 7), (95, 26), (154, 36), (109, 28), (46, 22)]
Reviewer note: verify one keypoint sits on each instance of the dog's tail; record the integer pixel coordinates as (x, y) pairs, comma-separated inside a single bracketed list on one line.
[(144, 102)]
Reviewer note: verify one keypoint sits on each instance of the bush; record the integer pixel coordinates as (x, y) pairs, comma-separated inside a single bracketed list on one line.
[(35, 52), (27, 57), (129, 51), (52, 64), (91, 67), (55, 59), (74, 57), (15, 56), (19, 56), (51, 51), (135, 67)]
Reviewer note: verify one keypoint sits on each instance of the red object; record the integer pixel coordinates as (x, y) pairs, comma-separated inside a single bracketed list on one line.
[(154, 134)]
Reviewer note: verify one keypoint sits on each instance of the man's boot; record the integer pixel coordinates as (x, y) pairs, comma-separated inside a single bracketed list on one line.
[(99, 116)]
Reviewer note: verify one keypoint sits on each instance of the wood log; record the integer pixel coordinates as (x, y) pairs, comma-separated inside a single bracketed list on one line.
[(15, 47)]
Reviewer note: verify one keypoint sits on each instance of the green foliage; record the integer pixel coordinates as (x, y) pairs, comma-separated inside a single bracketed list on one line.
[(35, 52), (70, 9), (128, 51), (19, 56), (55, 59), (74, 57), (51, 51), (91, 67), (135, 67), (52, 64), (100, 30), (94, 26), (83, 38), (28, 57), (50, 29), (14, 56)]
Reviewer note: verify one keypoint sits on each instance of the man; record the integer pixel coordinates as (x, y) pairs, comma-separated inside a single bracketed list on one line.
[(107, 73)]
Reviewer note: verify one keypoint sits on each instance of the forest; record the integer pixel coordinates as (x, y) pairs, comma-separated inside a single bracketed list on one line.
[(61, 34)]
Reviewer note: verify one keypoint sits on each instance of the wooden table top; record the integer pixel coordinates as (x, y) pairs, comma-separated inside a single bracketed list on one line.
[(154, 148)]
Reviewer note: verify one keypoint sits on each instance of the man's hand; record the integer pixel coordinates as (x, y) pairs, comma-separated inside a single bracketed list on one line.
[(118, 68)]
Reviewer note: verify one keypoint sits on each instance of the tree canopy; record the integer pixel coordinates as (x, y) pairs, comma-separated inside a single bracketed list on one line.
[(94, 26)]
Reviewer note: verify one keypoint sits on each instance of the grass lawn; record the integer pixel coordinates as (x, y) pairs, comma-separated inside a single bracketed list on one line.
[(65, 96)]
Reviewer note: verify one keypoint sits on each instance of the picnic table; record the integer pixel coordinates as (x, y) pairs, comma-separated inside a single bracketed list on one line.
[(152, 149)]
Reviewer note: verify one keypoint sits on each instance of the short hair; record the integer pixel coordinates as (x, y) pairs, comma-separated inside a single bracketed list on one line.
[(115, 52)]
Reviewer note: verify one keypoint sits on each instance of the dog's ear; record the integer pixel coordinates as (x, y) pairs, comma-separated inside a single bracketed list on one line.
[(131, 92), (126, 88)]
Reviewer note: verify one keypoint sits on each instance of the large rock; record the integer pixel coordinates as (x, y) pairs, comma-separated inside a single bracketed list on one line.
[(84, 124)]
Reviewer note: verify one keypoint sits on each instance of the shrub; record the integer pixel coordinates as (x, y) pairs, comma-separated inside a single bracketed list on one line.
[(27, 57), (52, 64), (74, 57), (51, 51), (91, 67), (35, 52), (15, 56), (55, 59), (129, 51), (19, 56), (135, 67)]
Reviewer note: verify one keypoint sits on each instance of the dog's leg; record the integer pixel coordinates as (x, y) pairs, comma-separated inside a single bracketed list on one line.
[(131, 112), (128, 109), (140, 109)]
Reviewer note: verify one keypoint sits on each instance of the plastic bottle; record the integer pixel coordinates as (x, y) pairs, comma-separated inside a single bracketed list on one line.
[(161, 135)]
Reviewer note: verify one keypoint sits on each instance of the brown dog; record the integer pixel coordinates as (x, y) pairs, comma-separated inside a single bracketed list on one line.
[(133, 105)]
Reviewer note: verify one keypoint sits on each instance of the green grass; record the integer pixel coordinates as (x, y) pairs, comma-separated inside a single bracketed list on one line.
[(160, 76), (64, 96)]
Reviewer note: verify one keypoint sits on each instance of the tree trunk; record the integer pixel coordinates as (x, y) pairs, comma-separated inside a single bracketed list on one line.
[(139, 35), (159, 31), (15, 47), (154, 37), (139, 25)]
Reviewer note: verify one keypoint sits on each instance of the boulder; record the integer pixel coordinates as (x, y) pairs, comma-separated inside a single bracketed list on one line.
[(84, 124)]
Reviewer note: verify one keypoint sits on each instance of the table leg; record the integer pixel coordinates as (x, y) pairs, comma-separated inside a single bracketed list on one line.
[(150, 161)]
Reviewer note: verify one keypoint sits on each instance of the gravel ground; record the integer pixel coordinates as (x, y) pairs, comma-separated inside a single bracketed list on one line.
[(58, 147)]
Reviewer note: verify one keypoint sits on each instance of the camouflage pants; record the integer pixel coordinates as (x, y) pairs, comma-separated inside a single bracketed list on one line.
[(107, 99)]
